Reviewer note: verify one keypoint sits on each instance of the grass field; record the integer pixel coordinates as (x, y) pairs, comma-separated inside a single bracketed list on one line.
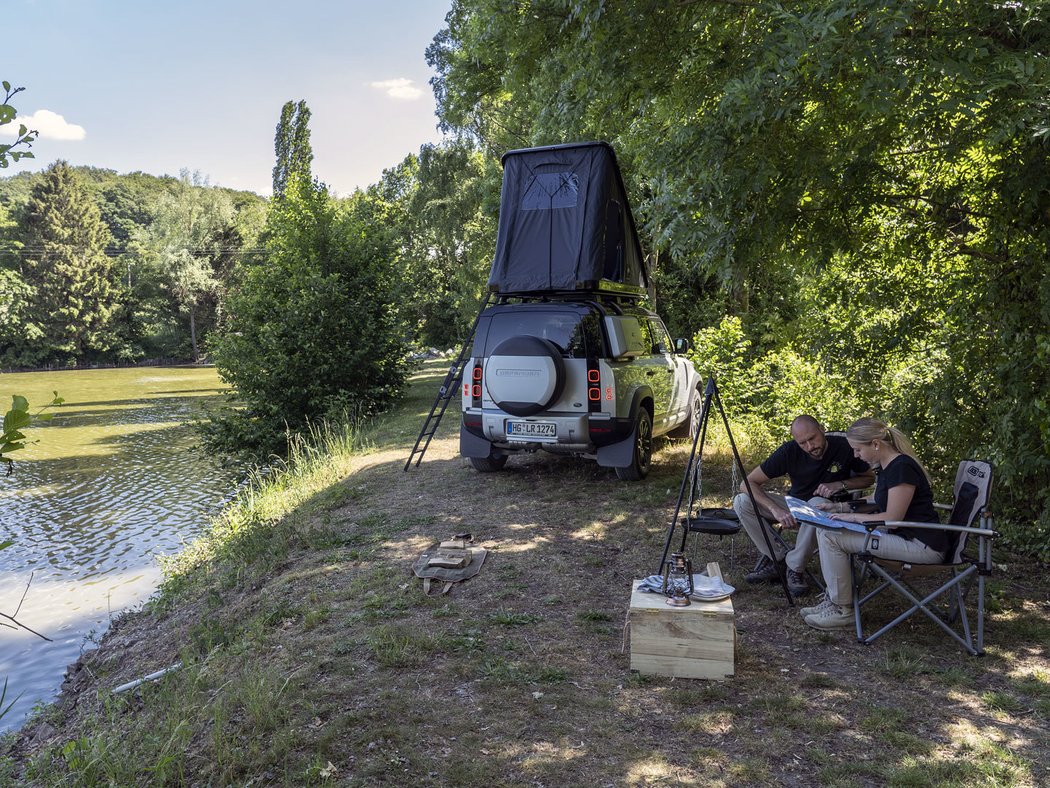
[(311, 656)]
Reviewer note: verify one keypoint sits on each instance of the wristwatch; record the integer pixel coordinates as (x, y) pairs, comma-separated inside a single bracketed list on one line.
[(844, 487)]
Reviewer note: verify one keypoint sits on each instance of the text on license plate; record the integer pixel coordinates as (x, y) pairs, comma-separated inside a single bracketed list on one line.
[(532, 430)]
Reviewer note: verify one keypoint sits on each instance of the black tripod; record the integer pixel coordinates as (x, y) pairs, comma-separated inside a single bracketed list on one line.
[(711, 524)]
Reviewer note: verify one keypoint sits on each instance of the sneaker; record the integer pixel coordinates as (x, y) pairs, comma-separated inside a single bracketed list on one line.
[(831, 617), (822, 602), (765, 571), (797, 583)]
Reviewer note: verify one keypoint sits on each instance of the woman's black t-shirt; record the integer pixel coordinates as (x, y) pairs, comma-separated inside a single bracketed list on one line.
[(903, 469)]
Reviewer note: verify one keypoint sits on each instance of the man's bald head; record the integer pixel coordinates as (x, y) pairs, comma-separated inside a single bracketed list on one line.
[(805, 421), (809, 435)]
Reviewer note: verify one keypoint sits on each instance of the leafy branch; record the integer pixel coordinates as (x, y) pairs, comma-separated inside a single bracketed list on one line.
[(17, 419), (25, 137)]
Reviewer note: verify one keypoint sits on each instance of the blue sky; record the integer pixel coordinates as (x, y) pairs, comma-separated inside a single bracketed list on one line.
[(159, 85)]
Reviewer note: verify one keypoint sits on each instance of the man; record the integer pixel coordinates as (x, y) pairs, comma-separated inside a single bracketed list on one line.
[(817, 465)]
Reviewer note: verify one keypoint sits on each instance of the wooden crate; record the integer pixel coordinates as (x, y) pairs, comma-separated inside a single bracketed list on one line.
[(695, 642)]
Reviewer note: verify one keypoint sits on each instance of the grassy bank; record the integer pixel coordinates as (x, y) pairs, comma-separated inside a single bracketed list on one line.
[(310, 656)]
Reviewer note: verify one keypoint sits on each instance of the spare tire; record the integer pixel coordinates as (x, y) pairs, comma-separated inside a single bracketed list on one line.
[(525, 375)]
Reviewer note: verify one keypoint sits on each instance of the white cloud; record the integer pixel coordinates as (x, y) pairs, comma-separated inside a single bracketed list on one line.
[(399, 88), (51, 126)]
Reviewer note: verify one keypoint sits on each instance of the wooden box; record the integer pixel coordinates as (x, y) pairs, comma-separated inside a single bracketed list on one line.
[(696, 642)]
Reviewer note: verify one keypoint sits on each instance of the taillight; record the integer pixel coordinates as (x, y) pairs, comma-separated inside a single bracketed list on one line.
[(475, 385), (594, 386)]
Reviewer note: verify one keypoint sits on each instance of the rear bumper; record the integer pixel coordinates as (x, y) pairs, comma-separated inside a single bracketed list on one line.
[(576, 432)]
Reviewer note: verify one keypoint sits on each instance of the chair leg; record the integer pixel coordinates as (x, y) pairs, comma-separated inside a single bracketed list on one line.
[(923, 605), (980, 613), (961, 608), (857, 576)]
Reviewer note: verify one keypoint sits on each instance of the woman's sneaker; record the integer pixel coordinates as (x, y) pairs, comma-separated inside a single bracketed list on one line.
[(831, 617), (822, 602)]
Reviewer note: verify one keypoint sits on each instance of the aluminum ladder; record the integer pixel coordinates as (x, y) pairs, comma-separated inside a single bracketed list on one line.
[(449, 389)]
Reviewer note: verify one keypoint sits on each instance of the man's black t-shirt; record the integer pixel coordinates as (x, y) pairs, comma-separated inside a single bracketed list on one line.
[(806, 473), (903, 469)]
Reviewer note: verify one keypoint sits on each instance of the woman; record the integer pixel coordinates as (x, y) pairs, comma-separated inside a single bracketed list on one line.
[(902, 492)]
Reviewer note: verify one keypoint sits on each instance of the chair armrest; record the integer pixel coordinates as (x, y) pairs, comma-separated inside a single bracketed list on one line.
[(988, 533), (944, 507)]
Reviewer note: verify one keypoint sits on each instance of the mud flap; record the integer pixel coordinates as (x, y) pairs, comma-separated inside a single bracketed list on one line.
[(618, 455), (470, 445)]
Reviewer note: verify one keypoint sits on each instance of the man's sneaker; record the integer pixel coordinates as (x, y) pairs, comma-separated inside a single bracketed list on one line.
[(831, 617), (797, 583), (765, 571), (822, 602)]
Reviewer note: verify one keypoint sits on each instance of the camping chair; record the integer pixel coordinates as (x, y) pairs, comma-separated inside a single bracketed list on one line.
[(968, 517)]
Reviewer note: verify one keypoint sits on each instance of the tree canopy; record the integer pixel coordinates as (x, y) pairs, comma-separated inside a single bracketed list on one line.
[(864, 183)]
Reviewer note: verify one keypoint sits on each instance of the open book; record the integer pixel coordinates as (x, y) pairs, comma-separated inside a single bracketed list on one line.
[(805, 513)]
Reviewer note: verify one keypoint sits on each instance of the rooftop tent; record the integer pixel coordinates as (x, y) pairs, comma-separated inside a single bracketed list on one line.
[(565, 224)]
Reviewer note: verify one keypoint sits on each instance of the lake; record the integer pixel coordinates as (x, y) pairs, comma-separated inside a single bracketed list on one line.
[(113, 482)]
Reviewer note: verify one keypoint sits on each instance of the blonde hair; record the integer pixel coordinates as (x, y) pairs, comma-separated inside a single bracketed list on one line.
[(868, 430)]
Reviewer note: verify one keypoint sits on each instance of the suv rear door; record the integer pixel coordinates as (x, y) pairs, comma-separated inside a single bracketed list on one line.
[(659, 372)]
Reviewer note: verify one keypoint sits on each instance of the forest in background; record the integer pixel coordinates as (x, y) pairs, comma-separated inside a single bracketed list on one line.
[(850, 199), (97, 267), (846, 205)]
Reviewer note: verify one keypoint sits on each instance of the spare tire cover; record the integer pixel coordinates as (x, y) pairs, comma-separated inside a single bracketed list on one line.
[(525, 375)]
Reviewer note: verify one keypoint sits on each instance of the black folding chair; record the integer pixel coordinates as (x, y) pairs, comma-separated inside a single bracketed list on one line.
[(969, 520)]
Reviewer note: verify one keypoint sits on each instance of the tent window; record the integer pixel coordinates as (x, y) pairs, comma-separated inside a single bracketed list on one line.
[(548, 190), (613, 264)]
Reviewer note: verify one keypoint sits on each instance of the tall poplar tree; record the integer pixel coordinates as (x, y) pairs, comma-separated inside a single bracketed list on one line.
[(64, 260), (292, 146)]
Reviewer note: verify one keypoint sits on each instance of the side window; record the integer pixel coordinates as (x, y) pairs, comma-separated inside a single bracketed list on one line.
[(590, 339), (647, 337), (636, 336), (661, 339)]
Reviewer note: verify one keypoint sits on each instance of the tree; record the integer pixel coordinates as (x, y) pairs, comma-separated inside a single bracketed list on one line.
[(444, 204), (66, 264), (311, 333), (186, 242), (292, 146)]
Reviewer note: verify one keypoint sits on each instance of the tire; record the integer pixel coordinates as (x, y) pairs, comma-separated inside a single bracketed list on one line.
[(489, 464), (687, 430), (643, 449), (696, 405), (525, 375)]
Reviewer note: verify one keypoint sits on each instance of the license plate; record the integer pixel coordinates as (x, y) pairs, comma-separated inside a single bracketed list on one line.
[(532, 431)]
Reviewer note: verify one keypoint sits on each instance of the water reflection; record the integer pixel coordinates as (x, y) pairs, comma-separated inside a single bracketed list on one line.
[(113, 482)]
